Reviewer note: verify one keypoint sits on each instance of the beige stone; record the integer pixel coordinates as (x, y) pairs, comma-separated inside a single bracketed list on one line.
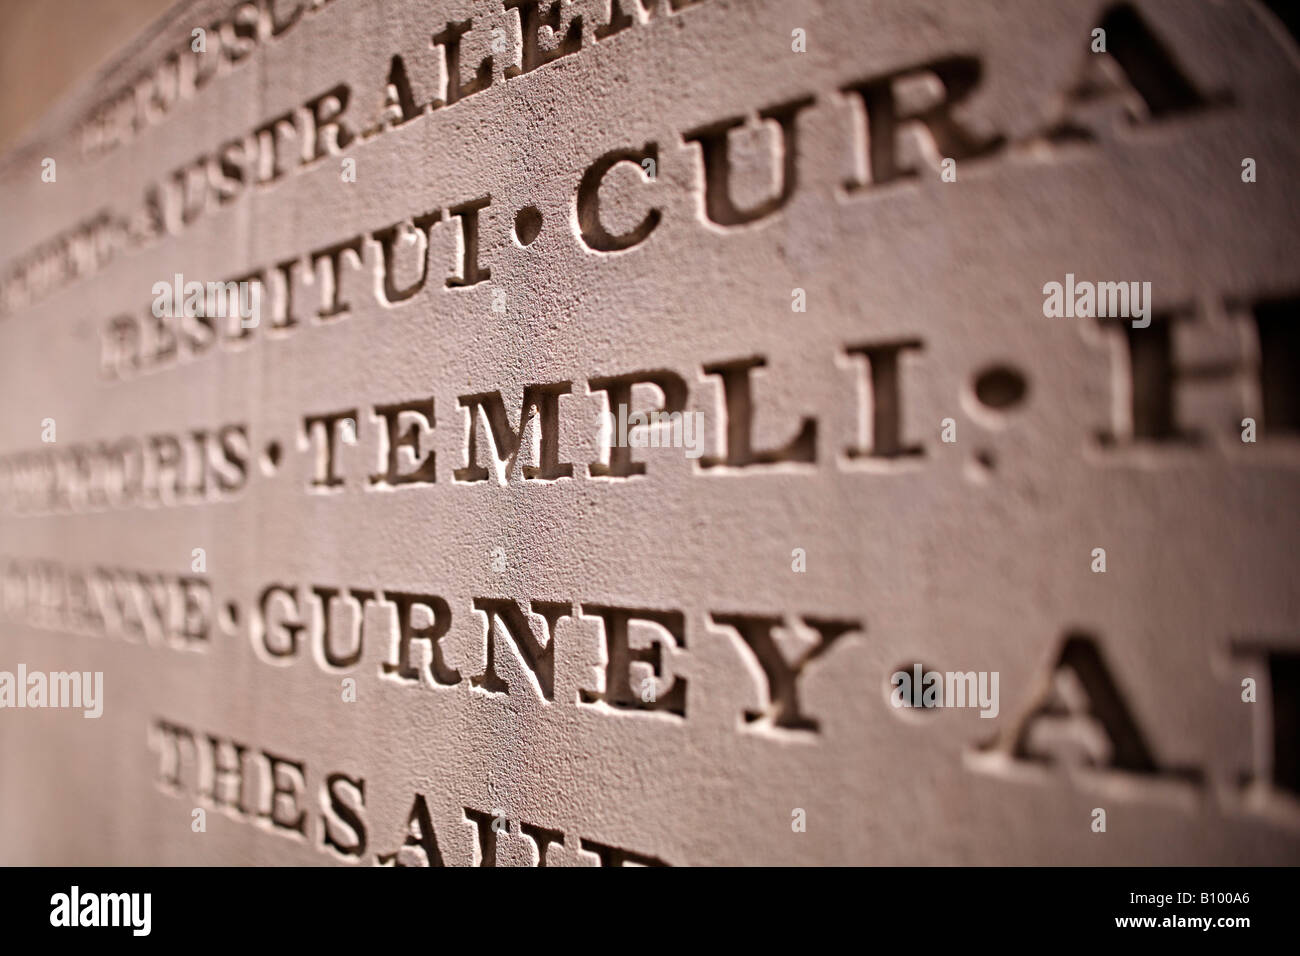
[(323, 544)]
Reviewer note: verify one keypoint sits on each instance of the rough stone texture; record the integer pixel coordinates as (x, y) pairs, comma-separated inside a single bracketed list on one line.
[(973, 555)]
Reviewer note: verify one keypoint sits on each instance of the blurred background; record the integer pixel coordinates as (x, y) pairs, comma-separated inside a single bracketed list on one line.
[(86, 33)]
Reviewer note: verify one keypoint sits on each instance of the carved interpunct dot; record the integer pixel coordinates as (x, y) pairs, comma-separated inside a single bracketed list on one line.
[(1000, 387), (980, 467), (528, 223), (912, 704), (271, 457), (231, 611)]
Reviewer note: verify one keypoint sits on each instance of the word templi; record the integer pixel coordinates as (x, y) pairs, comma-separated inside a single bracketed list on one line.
[(196, 465)]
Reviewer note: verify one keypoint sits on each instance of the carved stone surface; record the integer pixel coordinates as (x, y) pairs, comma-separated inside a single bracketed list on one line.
[(370, 577)]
